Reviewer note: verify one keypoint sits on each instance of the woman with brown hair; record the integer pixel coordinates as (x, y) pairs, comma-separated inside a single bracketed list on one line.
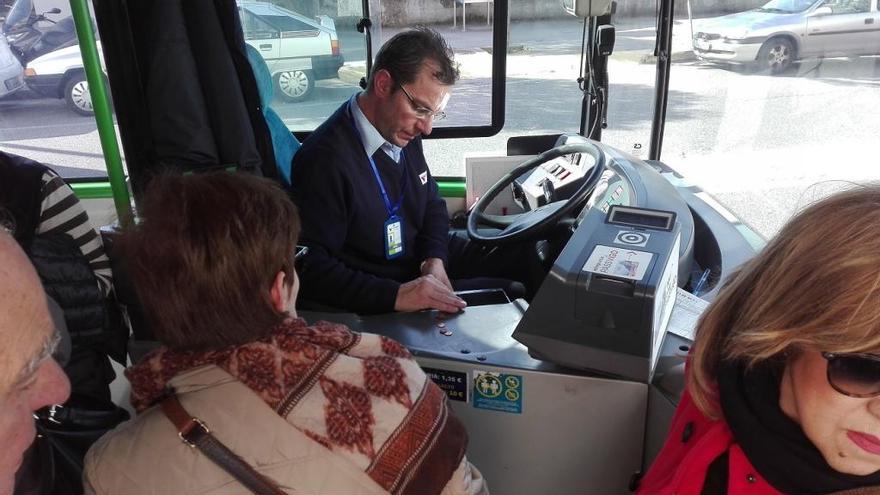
[(305, 409), (783, 386)]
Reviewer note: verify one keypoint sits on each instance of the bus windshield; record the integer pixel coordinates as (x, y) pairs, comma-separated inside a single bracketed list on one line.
[(762, 112)]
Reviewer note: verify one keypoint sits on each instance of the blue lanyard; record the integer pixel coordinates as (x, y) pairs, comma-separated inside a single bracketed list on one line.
[(392, 209)]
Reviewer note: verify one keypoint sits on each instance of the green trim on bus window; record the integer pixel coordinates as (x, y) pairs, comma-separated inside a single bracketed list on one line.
[(449, 188), (92, 190), (452, 188)]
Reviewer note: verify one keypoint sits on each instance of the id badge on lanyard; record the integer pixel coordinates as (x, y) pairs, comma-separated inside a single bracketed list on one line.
[(393, 237), (393, 227)]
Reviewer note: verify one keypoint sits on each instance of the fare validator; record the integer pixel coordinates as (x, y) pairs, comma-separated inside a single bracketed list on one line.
[(605, 307)]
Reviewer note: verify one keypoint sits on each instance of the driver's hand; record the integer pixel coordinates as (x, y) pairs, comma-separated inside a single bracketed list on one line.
[(434, 266), (427, 292)]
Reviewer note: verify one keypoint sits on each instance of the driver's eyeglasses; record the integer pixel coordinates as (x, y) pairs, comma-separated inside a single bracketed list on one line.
[(421, 112), (855, 375)]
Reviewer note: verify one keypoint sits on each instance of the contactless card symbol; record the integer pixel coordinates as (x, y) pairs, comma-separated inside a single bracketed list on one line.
[(632, 238), (424, 177)]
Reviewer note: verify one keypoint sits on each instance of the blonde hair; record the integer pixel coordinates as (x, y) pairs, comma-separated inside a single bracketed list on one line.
[(813, 287)]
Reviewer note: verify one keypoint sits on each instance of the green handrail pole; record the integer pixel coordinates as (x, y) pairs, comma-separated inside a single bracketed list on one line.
[(101, 103)]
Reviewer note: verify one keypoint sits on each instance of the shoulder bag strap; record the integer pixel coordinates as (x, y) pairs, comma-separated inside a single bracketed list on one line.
[(195, 433)]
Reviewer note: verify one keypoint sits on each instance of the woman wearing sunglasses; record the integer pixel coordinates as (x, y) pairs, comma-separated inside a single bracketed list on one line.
[(783, 385)]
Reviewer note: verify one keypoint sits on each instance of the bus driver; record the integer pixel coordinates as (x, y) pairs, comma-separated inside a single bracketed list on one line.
[(373, 218)]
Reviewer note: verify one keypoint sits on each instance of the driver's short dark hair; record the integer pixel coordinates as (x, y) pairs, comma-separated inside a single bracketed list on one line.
[(403, 55)]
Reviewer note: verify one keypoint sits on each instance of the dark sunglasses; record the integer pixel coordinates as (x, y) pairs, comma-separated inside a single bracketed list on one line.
[(855, 375)]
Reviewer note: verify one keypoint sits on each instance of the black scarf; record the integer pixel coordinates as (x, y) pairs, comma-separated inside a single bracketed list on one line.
[(774, 444)]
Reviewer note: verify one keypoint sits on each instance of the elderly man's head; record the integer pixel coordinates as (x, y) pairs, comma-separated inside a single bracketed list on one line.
[(29, 378)]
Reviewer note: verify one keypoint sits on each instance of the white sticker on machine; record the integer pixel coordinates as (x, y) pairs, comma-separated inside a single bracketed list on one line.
[(618, 262)]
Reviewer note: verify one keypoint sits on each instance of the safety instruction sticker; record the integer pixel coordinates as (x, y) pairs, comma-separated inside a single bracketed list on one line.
[(618, 262), (454, 383), (498, 391)]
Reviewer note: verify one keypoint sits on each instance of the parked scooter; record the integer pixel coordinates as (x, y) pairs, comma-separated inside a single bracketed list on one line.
[(47, 61), (29, 41)]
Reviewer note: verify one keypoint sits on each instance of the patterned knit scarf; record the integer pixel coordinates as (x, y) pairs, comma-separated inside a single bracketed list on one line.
[(362, 396)]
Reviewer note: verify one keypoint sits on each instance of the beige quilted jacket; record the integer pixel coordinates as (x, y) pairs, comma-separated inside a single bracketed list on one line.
[(145, 455)]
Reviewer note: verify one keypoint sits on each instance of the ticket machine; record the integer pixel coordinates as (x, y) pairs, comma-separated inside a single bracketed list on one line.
[(577, 388)]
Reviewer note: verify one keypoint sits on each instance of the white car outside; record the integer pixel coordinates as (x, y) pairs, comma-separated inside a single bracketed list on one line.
[(60, 74), (298, 50)]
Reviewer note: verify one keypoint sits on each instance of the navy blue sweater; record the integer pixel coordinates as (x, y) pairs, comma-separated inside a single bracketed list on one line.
[(343, 217)]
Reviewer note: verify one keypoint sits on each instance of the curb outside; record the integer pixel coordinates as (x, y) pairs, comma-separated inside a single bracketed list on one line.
[(351, 73)]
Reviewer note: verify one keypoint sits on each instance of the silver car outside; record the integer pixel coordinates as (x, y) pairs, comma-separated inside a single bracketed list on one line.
[(782, 31), (11, 72)]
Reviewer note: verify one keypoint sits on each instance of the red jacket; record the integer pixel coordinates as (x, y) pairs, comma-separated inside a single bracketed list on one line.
[(694, 441)]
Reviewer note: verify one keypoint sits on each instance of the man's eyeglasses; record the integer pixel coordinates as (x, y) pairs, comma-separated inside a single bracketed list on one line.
[(421, 112), (855, 375)]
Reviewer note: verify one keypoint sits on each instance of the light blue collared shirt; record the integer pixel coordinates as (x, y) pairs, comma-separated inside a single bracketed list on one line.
[(370, 137)]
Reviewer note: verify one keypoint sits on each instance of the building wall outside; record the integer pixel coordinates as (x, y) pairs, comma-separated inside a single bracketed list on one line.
[(413, 12)]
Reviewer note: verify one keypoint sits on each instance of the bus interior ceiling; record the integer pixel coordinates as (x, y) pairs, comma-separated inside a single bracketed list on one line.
[(659, 163)]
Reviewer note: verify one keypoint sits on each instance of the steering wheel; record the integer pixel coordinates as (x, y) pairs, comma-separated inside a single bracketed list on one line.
[(531, 224)]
